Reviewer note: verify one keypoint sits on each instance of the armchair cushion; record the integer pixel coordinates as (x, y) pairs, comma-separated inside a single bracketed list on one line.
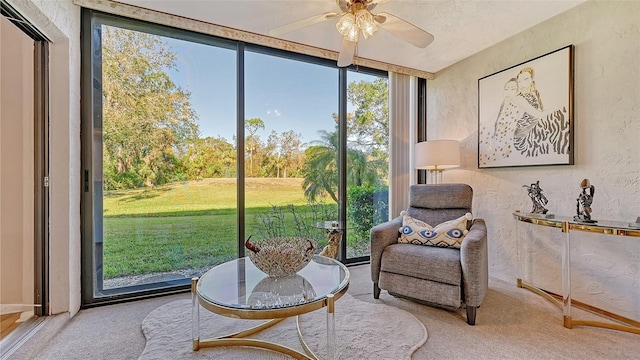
[(447, 234), (406, 259)]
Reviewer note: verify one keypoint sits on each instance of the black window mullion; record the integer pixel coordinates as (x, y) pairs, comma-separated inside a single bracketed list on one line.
[(240, 147), (422, 122), (342, 154)]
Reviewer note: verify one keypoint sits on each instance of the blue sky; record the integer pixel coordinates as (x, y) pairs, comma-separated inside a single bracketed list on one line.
[(285, 94)]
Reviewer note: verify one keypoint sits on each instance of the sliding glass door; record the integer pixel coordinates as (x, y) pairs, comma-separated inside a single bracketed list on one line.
[(160, 166), (194, 143)]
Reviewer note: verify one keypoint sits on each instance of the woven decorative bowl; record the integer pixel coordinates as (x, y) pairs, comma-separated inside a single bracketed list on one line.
[(281, 256)]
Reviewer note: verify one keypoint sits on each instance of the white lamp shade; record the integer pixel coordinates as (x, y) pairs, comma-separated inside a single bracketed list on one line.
[(437, 154)]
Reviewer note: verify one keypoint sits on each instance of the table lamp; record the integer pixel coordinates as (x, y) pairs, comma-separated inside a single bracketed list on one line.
[(437, 155)]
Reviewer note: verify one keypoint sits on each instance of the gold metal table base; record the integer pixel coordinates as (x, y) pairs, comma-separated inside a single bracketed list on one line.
[(237, 339), (624, 324), (211, 292)]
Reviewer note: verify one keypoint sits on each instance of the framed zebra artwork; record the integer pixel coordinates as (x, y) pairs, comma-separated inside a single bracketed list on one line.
[(525, 113)]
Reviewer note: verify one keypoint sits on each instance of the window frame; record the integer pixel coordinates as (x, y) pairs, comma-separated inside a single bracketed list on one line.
[(91, 110)]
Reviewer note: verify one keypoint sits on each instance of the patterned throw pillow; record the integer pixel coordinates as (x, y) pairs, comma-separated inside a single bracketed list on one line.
[(448, 234)]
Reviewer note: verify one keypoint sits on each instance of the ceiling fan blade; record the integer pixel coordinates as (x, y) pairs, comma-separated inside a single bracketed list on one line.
[(343, 4), (347, 51), (302, 23), (404, 30), (373, 3)]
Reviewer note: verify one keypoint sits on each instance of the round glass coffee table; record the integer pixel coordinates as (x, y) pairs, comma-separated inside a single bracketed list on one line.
[(238, 289)]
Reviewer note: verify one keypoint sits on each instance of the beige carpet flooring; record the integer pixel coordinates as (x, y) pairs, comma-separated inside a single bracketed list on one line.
[(363, 330), (513, 323)]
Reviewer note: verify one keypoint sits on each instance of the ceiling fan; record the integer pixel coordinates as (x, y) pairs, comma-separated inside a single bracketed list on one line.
[(356, 19)]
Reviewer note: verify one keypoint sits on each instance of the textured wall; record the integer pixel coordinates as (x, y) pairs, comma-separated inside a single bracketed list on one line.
[(606, 269)]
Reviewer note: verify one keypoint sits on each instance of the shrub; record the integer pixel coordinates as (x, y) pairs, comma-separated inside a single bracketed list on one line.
[(290, 220), (367, 206)]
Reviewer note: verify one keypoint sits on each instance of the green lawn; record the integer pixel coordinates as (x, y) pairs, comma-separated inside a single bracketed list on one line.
[(208, 196), (192, 225)]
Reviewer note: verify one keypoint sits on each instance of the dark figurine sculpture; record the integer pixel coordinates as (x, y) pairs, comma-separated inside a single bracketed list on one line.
[(538, 199), (583, 207)]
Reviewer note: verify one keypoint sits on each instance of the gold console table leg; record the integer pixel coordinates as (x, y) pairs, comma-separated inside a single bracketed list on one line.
[(625, 324), (525, 285)]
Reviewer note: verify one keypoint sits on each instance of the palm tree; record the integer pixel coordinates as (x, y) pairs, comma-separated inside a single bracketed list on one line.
[(252, 126), (320, 171), (321, 168)]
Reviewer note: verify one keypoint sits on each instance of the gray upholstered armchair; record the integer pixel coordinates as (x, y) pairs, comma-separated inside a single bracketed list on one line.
[(445, 277)]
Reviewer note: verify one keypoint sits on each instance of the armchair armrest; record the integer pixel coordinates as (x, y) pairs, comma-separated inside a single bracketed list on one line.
[(475, 264), (382, 235)]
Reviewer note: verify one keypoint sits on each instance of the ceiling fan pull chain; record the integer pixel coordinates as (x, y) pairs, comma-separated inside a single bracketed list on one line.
[(355, 58)]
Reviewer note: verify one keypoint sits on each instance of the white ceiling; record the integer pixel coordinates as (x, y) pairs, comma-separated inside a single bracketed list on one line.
[(460, 28)]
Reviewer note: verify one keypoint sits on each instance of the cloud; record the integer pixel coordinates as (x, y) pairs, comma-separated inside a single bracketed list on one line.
[(275, 112)]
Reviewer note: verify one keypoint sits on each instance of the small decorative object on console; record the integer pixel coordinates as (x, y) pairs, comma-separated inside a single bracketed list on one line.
[(537, 197), (281, 256), (583, 207)]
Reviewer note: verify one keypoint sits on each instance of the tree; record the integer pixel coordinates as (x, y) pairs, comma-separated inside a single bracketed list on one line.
[(210, 158), (273, 162), (147, 120), (252, 126), (291, 152), (368, 138), (369, 127), (320, 170), (284, 154)]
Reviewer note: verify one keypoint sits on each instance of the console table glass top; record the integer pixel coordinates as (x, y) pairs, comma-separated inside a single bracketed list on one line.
[(600, 226)]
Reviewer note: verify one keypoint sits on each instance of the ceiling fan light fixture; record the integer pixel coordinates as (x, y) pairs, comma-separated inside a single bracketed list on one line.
[(369, 31), (356, 18), (353, 35), (364, 21), (346, 24)]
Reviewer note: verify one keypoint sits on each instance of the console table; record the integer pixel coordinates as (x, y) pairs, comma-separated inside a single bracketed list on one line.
[(569, 225)]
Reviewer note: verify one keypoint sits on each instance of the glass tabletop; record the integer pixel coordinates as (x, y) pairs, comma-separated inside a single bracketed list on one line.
[(239, 284), (330, 225)]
